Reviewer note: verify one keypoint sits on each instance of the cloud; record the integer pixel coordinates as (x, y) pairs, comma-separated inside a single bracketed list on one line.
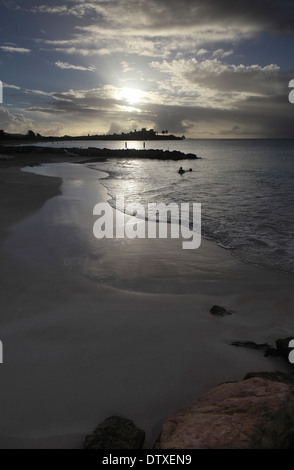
[(221, 54), (13, 87), (126, 67), (66, 65), (14, 122), (202, 52), (20, 121), (163, 28), (82, 102), (217, 80), (251, 118), (80, 10), (20, 50), (99, 109), (95, 43), (37, 92), (171, 16)]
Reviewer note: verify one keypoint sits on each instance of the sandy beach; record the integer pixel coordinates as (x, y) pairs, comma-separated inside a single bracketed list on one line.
[(94, 328)]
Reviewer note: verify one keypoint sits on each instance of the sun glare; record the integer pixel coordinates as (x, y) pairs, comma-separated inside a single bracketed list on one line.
[(131, 95)]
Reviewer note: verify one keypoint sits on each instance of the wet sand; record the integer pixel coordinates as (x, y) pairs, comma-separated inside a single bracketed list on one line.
[(22, 194), (94, 328)]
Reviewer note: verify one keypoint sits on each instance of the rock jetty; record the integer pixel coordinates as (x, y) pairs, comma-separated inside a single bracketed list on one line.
[(37, 154)]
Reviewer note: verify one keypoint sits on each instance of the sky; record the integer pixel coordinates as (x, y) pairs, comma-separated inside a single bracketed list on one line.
[(199, 68)]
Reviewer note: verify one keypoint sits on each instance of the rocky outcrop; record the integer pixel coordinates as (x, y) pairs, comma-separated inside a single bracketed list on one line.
[(115, 433), (251, 345), (257, 413), (282, 349), (220, 311)]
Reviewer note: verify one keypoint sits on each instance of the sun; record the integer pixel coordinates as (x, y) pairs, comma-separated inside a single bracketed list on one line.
[(131, 95)]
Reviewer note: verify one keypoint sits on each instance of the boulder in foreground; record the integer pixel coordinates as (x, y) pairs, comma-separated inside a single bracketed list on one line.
[(256, 413), (115, 433)]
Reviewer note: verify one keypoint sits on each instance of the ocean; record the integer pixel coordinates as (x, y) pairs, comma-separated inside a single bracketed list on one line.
[(245, 187)]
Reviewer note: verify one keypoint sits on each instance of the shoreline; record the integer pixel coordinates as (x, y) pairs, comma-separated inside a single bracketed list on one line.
[(161, 348), (16, 203)]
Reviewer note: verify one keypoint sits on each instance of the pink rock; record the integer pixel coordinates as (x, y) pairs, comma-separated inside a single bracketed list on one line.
[(253, 414)]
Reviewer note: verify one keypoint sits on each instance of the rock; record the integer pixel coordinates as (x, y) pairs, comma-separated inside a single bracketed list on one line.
[(251, 345), (282, 349), (276, 376), (116, 433), (219, 311), (256, 413), (271, 352), (191, 155), (282, 346)]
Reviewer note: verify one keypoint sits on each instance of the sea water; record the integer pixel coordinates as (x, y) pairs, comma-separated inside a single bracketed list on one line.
[(245, 187)]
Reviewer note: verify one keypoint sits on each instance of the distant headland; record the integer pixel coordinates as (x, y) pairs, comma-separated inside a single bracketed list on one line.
[(141, 135)]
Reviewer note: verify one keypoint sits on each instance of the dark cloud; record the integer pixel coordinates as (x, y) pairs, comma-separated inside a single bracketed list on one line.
[(255, 117), (276, 16), (251, 117), (163, 15)]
